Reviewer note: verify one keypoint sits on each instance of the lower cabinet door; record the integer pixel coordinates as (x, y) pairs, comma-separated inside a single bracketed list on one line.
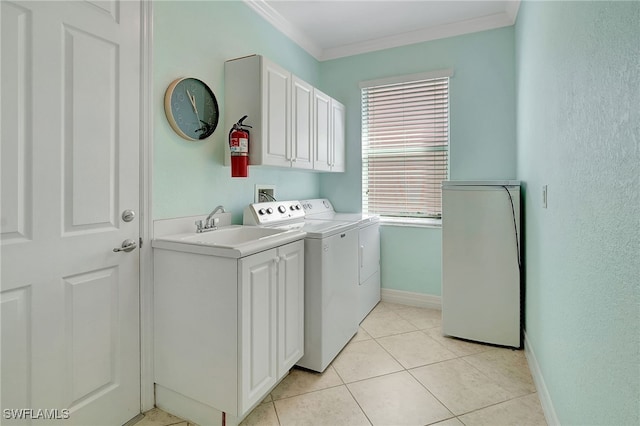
[(258, 319), (290, 306)]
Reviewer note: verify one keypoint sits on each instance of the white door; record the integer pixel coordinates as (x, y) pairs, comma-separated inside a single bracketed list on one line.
[(70, 141), (290, 306), (322, 131), (302, 124), (338, 147), (276, 101), (258, 292)]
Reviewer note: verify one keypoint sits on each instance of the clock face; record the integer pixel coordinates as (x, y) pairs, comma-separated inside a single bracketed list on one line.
[(191, 108)]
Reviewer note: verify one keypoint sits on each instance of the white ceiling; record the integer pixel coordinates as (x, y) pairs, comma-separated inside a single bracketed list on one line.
[(330, 29)]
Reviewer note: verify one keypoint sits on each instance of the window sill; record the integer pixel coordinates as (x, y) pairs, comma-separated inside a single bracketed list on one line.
[(411, 222)]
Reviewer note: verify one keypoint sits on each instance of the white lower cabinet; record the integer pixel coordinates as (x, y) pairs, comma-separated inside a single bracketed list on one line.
[(271, 301), (226, 330)]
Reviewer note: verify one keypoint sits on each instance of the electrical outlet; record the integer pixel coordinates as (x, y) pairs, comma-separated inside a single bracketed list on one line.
[(544, 196), (264, 193)]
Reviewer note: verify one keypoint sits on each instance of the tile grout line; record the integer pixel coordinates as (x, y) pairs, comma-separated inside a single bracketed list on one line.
[(457, 356), (461, 357), (419, 382), (359, 406), (494, 404), (275, 409), (309, 392)]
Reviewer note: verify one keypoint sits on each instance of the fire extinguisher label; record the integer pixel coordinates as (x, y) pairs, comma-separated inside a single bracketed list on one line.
[(240, 145)]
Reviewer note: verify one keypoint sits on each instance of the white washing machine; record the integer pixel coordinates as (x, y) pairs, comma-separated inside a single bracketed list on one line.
[(368, 251), (330, 277)]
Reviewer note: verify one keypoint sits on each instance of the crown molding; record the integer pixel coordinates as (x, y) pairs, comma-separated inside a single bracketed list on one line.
[(512, 10), (442, 31), (498, 20), (262, 8)]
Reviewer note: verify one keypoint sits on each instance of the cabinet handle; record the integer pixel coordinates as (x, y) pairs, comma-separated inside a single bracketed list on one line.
[(361, 255)]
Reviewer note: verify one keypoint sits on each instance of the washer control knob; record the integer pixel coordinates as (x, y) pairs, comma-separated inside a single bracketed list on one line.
[(292, 207), (261, 212), (297, 206), (282, 209), (269, 210)]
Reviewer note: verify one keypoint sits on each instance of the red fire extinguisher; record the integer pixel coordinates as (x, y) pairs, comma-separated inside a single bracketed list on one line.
[(239, 146)]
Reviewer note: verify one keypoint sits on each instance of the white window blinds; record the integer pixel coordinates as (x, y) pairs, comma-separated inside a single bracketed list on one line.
[(405, 145)]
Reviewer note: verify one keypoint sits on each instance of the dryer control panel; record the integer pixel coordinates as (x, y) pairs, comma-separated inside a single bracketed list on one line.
[(318, 205), (273, 212)]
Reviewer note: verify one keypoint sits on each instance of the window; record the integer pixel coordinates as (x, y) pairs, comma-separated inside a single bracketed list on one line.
[(405, 145)]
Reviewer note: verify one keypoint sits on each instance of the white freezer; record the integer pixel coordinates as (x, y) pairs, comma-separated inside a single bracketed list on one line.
[(480, 261)]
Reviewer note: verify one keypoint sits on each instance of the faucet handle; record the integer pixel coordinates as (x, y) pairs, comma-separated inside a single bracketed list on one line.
[(199, 225), (212, 223)]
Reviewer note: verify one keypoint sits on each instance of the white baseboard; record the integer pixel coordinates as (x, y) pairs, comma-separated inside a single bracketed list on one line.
[(420, 300), (541, 387), (186, 408)]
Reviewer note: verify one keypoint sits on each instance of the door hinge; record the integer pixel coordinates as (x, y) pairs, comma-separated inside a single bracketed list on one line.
[(140, 240)]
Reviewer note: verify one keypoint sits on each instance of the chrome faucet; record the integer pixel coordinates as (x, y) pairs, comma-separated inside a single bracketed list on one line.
[(210, 223)]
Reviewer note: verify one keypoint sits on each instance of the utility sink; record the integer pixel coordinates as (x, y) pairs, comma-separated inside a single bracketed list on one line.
[(232, 236), (229, 241)]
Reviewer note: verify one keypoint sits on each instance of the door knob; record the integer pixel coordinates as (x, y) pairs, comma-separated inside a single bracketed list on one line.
[(127, 245), (128, 215)]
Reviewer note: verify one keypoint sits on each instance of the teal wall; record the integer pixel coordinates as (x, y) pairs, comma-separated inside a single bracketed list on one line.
[(483, 130), (578, 89), (411, 259), (195, 39), (575, 69)]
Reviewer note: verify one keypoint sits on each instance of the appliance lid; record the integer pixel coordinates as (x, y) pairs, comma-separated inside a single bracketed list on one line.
[(450, 183), (318, 228), (359, 218), (322, 209)]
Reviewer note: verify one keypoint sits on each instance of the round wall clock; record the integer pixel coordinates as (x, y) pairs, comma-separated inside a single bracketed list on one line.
[(191, 108)]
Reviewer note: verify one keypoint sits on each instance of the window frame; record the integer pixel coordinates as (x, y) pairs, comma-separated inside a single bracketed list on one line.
[(438, 74)]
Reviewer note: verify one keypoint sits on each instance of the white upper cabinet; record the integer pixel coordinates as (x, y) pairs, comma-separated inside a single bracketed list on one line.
[(301, 123), (337, 140), (322, 131), (329, 152), (291, 125), (276, 125)]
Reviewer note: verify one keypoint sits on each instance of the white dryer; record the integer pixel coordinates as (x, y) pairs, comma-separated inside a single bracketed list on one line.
[(368, 249), (330, 277)]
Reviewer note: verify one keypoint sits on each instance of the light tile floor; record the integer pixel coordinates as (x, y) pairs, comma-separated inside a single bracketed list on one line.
[(400, 370)]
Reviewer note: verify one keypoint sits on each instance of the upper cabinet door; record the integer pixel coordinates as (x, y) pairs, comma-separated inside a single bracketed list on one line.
[(338, 152), (301, 124), (275, 115), (322, 131)]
